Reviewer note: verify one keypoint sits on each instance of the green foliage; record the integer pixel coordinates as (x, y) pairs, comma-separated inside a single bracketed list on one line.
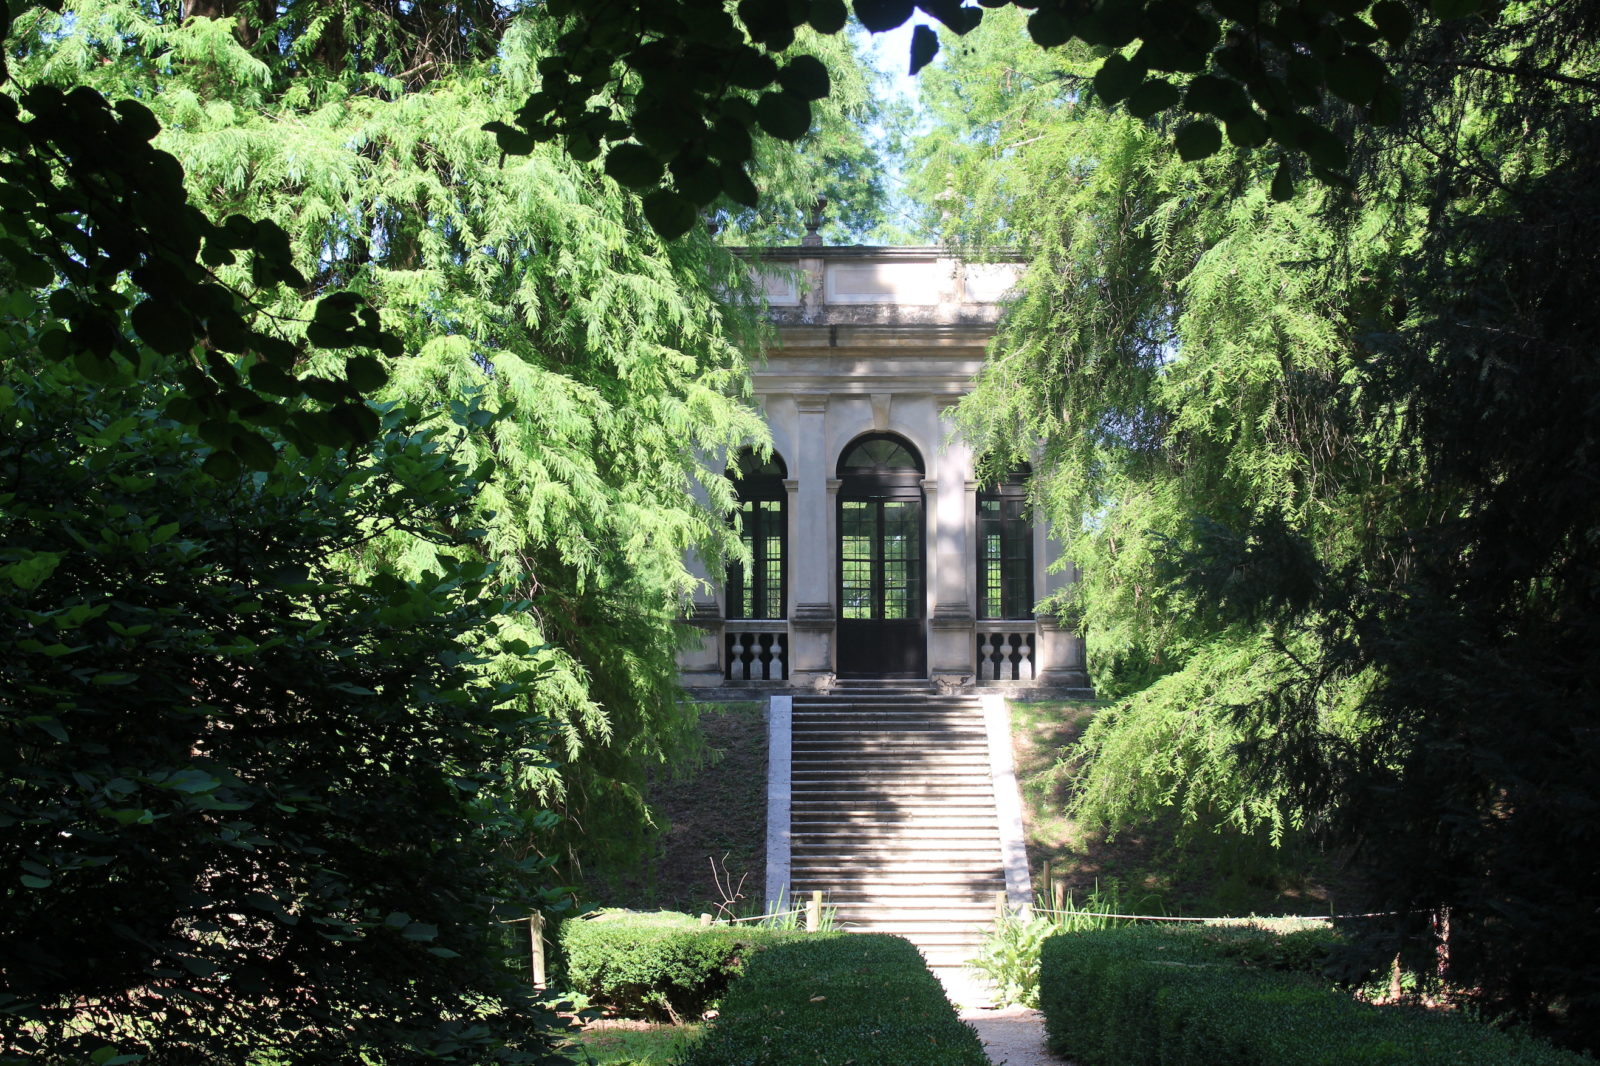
[(1319, 460), (657, 965), (866, 998), (92, 203), (1009, 958), (604, 363), (250, 802), (1143, 995), (658, 1045), (697, 77)]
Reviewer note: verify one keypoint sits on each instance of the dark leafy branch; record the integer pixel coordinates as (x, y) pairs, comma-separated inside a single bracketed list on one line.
[(708, 79), (92, 211)]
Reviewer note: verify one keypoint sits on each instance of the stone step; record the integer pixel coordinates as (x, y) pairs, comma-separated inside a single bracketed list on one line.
[(889, 763), (929, 738), (968, 868), (970, 862), (876, 779), (876, 820), (927, 935), (901, 794), (892, 815), (962, 838), (914, 729), (959, 855), (977, 898), (842, 828), (809, 808)]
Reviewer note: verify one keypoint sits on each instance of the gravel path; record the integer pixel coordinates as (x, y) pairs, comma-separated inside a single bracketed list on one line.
[(1012, 1037)]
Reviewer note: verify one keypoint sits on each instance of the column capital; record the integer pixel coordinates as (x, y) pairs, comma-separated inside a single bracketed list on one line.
[(791, 485), (952, 616), (811, 402), (833, 486), (704, 615), (812, 616)]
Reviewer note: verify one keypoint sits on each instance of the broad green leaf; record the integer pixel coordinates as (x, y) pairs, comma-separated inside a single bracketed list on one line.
[(1197, 140), (828, 16), (880, 15), (1155, 95), (1394, 20), (924, 46), (783, 115), (669, 213), (1283, 182), (1117, 77), (1049, 28), (634, 165), (805, 77)]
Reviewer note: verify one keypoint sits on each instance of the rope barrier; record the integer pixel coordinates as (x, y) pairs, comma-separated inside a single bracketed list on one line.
[(762, 917), (1256, 917)]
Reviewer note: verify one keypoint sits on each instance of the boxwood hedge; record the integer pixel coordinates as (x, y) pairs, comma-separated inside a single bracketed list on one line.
[(865, 999), (660, 965), (1191, 997)]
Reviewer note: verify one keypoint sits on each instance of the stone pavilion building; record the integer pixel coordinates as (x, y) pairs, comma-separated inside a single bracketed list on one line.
[(876, 552)]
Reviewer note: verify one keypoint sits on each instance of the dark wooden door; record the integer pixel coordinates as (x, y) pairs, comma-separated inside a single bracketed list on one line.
[(881, 600)]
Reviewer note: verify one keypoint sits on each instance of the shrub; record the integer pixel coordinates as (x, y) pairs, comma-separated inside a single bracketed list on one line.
[(659, 965), (866, 999), (1010, 954), (1183, 998)]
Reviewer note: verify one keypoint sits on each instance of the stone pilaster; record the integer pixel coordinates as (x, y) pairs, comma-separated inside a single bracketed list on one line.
[(811, 610), (950, 638)]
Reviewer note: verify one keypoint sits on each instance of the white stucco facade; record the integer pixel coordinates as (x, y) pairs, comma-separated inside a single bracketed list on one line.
[(880, 342)]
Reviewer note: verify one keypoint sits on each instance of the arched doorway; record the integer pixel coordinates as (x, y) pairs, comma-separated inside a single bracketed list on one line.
[(881, 564)]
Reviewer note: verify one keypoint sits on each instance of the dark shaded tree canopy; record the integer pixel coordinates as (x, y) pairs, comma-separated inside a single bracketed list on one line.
[(698, 78)]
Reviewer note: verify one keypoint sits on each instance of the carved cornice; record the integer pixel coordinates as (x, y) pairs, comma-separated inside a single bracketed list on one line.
[(812, 617), (704, 615), (948, 616)]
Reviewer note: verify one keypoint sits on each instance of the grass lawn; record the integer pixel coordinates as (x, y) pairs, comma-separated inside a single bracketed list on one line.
[(634, 1043), (1224, 874)]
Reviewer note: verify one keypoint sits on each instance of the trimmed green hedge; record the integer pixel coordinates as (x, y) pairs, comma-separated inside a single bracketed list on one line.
[(865, 999), (1185, 997), (661, 965)]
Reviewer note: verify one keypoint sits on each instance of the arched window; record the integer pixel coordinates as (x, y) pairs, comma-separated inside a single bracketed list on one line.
[(881, 592), (763, 525), (1005, 549)]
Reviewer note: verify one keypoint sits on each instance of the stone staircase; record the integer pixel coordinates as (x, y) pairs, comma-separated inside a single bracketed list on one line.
[(892, 817)]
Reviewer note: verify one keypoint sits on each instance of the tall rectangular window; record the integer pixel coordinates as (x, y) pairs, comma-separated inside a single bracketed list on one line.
[(1005, 556), (761, 526)]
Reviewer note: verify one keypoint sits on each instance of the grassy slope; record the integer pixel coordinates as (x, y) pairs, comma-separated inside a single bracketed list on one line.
[(1222, 875), (713, 852)]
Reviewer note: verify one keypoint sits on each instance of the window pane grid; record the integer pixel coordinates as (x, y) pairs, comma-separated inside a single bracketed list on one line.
[(1005, 557), (759, 594)]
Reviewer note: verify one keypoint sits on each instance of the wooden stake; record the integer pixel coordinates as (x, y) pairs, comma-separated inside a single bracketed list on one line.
[(1000, 905), (536, 944), (814, 912)]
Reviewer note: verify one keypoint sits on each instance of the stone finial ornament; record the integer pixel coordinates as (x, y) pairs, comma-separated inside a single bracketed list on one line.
[(814, 220)]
